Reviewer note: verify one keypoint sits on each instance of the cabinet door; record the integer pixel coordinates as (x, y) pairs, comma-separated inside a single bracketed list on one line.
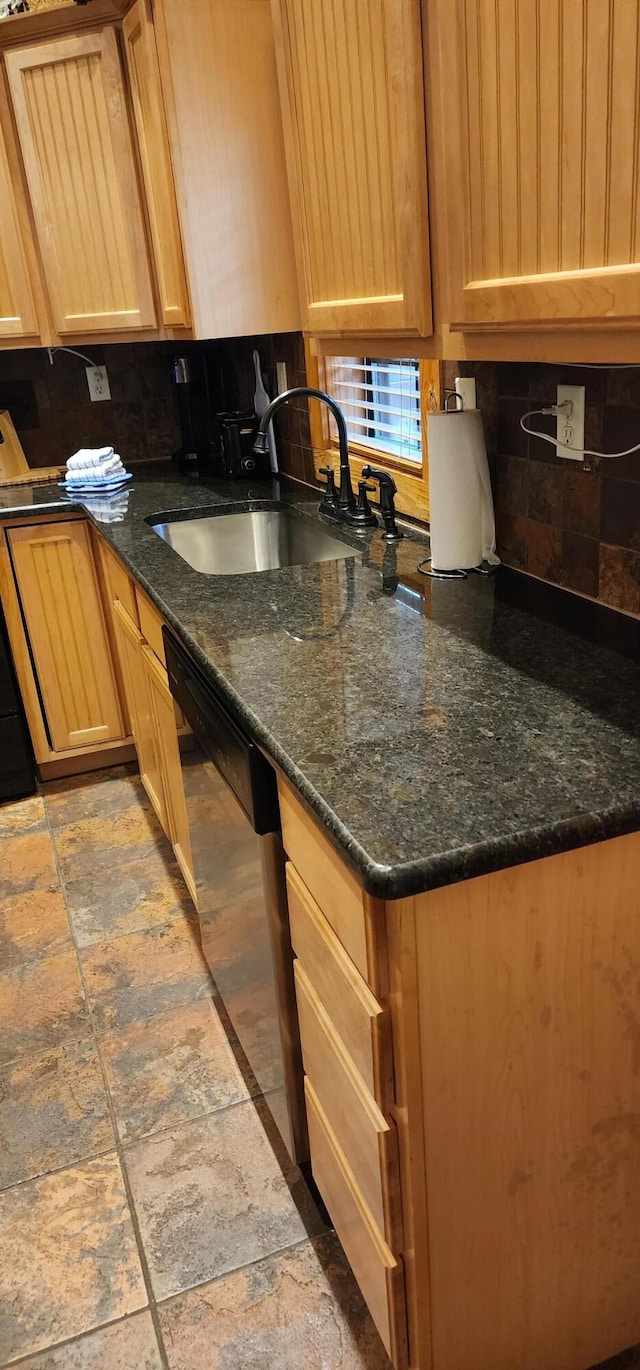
[(131, 645), (148, 108), (17, 311), (74, 133), (541, 195), (218, 69), (166, 739), (351, 85), (58, 588)]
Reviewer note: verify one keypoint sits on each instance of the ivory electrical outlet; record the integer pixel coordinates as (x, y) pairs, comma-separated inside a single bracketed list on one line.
[(570, 425), (98, 382)]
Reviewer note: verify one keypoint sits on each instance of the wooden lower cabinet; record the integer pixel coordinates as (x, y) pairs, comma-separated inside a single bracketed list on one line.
[(132, 646), (165, 735), (155, 730), (486, 1188), (56, 580)]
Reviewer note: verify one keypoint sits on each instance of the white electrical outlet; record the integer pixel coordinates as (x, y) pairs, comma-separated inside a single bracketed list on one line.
[(281, 377), (466, 389), (98, 382), (570, 424)]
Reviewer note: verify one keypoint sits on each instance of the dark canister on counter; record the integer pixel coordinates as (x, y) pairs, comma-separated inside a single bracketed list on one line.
[(233, 435)]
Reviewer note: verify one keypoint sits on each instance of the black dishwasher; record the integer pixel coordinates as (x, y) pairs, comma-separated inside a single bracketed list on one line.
[(17, 766), (238, 861)]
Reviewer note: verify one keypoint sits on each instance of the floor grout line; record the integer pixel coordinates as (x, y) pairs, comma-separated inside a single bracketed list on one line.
[(71, 1341)]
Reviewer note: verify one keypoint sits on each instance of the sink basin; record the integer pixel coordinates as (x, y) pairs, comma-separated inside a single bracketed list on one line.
[(236, 544)]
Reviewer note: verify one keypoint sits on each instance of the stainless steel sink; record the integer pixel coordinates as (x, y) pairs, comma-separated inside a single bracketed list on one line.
[(235, 544)]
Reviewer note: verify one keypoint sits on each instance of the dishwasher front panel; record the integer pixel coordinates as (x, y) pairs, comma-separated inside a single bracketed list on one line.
[(241, 899)]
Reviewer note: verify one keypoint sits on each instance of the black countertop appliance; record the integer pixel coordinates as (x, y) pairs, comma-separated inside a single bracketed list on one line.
[(232, 454), (17, 765)]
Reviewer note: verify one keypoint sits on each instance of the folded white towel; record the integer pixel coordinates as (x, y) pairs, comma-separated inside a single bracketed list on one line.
[(105, 470), (89, 456)]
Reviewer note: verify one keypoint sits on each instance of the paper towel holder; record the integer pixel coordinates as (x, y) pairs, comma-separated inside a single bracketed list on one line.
[(426, 569)]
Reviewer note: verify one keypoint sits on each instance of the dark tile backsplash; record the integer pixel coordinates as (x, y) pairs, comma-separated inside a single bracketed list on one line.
[(575, 523), (54, 416)]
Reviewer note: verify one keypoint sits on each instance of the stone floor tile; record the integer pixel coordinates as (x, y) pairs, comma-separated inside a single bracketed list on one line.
[(22, 817), (137, 895), (53, 1112), (127, 1345), (210, 1196), (145, 973), (170, 1068), (69, 1257), (41, 1006), (26, 863), (301, 1307), (93, 844), (98, 794), (33, 924)]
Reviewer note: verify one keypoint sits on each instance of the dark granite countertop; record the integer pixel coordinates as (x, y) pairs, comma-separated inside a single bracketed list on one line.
[(438, 730)]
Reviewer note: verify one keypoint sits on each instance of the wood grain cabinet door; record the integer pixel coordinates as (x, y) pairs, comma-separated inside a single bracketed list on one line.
[(541, 195), (165, 733), (17, 311), (71, 113), (351, 87), (131, 646), (56, 578), (148, 108)]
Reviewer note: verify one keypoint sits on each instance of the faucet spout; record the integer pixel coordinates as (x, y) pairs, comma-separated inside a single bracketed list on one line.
[(346, 497)]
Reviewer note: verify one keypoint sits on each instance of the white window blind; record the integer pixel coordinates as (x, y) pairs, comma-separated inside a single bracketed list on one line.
[(380, 398)]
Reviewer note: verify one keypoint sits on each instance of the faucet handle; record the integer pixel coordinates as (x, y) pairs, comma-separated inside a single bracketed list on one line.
[(329, 502)]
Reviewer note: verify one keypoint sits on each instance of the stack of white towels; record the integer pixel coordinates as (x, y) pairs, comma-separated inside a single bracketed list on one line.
[(95, 470)]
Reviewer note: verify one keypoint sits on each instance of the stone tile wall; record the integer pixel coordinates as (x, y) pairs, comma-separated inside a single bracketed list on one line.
[(574, 523)]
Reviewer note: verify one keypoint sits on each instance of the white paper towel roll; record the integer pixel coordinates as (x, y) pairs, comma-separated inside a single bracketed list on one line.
[(462, 524)]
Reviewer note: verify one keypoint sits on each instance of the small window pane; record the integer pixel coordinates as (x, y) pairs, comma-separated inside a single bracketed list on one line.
[(380, 398)]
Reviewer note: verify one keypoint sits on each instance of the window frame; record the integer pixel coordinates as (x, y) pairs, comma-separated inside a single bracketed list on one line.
[(412, 479)]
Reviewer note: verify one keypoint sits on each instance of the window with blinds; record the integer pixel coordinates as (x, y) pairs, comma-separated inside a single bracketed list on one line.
[(380, 399)]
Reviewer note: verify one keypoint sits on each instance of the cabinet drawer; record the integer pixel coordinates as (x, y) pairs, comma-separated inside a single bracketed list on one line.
[(378, 1273), (366, 1138), (334, 888), (119, 581), (150, 624), (358, 1018)]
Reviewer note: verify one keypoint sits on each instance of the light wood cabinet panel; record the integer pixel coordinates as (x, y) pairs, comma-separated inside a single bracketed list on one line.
[(351, 83), (57, 583), (17, 309), (132, 646), (378, 1272), (364, 1135), (74, 134), (165, 733), (218, 71), (334, 888), (148, 107), (539, 180), (357, 1017)]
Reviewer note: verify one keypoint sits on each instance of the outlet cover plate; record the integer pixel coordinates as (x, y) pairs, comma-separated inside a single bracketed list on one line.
[(98, 382), (570, 430)]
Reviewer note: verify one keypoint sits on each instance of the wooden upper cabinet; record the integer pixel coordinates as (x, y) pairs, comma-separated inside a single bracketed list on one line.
[(351, 85), (73, 128), (148, 108), (218, 71), (58, 588), (544, 185), (17, 309)]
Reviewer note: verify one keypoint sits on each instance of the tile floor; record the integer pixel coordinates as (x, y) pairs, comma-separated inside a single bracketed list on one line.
[(145, 1220)]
